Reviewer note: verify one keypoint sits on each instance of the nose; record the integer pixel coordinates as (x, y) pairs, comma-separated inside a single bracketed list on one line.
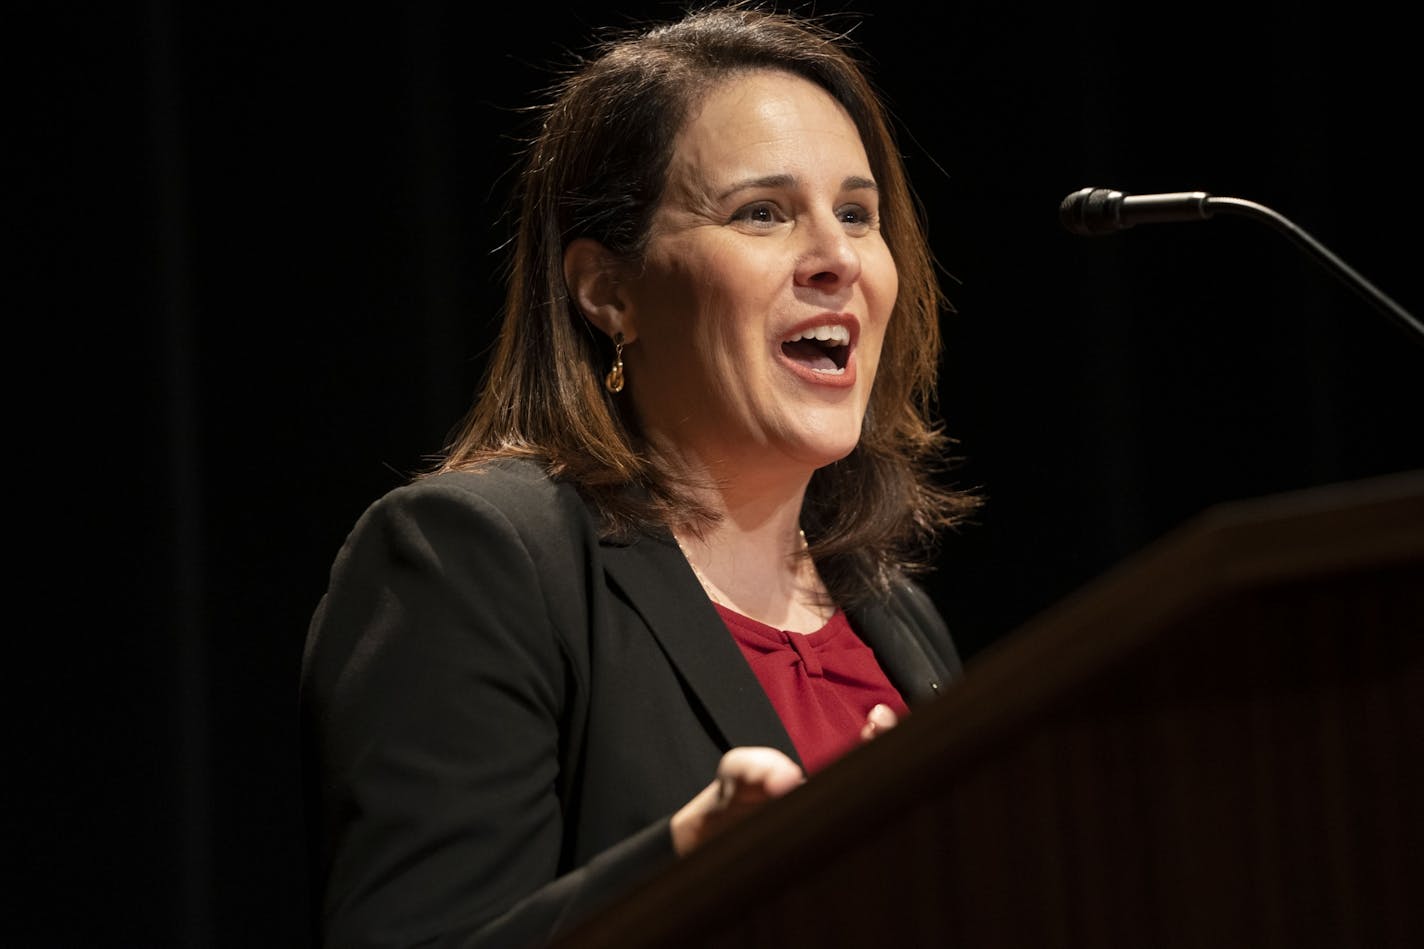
[(829, 259)]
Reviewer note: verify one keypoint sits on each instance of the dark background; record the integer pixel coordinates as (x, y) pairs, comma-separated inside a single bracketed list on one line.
[(261, 245)]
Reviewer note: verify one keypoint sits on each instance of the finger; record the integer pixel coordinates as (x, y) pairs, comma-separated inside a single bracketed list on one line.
[(751, 774), (880, 719), (746, 778)]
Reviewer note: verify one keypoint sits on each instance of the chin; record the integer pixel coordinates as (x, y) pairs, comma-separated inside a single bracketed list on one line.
[(824, 451)]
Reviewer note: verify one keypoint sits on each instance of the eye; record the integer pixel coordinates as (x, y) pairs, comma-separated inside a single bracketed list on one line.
[(857, 217), (759, 214)]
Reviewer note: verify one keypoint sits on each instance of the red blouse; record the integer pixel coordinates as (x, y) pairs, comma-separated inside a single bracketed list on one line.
[(822, 684)]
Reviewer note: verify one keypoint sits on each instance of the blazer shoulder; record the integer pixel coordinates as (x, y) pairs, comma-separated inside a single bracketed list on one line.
[(465, 540), (515, 491), (909, 594), (504, 481)]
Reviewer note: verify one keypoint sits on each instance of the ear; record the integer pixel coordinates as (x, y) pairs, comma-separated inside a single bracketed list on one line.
[(591, 274)]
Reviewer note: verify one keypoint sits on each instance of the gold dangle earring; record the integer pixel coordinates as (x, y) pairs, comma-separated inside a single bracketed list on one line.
[(613, 382)]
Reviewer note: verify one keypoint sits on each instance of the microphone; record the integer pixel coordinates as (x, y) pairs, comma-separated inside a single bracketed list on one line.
[(1092, 212)]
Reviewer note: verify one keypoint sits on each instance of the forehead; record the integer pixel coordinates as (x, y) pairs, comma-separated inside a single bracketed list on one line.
[(766, 121)]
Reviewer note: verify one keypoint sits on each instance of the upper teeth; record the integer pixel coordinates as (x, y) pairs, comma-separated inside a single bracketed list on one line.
[(835, 334)]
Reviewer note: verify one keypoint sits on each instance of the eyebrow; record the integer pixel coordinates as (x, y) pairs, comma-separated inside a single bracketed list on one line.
[(850, 183)]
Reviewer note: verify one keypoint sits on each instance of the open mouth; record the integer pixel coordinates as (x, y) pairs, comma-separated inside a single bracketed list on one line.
[(823, 348)]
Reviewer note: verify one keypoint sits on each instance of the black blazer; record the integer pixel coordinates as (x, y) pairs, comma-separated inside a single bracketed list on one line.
[(501, 710)]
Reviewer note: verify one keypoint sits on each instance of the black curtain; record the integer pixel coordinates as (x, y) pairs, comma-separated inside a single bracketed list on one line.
[(261, 250)]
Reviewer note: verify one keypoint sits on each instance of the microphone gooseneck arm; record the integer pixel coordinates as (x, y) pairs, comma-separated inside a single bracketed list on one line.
[(1093, 212)]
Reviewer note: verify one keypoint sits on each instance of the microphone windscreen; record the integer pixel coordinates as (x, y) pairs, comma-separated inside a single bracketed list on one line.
[(1091, 211)]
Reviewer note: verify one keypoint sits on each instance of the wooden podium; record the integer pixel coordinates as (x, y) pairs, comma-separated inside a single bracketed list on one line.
[(1218, 743)]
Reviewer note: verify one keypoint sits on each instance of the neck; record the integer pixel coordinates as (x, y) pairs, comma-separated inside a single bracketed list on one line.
[(753, 559)]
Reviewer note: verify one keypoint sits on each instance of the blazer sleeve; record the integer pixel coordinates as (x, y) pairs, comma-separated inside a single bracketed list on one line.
[(434, 692)]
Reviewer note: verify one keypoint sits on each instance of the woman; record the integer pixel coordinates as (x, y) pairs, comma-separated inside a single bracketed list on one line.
[(668, 545)]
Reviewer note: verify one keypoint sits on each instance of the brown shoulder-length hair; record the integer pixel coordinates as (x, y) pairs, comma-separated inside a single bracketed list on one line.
[(596, 168)]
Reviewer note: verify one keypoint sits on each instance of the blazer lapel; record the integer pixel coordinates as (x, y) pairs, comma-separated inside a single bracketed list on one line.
[(655, 578), (910, 666)]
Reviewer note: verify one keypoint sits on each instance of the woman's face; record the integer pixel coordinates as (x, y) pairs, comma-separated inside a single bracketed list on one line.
[(758, 316)]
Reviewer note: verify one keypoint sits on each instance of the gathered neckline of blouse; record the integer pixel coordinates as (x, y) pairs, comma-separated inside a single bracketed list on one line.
[(834, 627)]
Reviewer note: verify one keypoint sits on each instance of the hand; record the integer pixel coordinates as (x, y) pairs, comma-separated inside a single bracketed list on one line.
[(881, 718), (746, 778)]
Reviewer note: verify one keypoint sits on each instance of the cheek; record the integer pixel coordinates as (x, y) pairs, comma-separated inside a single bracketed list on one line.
[(883, 281), (689, 344), (882, 286), (736, 292), (660, 304)]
